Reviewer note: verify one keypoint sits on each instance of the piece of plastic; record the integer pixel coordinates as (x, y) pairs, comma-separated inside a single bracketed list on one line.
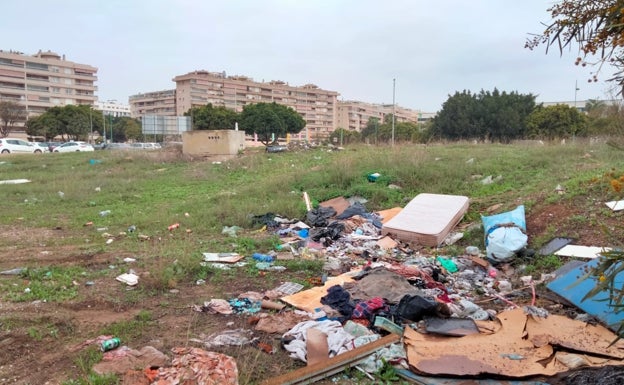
[(262, 257), (447, 264)]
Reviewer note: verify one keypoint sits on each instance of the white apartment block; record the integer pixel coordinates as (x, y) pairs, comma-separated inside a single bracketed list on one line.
[(44, 80), (113, 108)]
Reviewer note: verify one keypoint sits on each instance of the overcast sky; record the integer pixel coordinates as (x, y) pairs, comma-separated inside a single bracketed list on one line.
[(432, 48)]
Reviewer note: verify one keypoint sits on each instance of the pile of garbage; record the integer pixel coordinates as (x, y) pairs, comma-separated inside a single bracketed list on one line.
[(382, 301)]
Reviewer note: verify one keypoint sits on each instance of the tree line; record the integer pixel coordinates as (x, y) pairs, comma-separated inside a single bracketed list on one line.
[(484, 116)]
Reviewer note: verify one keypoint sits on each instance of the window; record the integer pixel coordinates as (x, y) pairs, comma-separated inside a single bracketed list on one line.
[(67, 71), (69, 91), (67, 81), (54, 79), (36, 66), (56, 90)]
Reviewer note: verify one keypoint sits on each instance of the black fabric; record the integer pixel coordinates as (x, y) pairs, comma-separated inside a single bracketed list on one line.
[(318, 217), (339, 299), (414, 308), (267, 220)]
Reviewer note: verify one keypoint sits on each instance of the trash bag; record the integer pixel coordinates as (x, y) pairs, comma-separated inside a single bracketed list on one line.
[(414, 308), (318, 217), (267, 220), (332, 231), (355, 209), (505, 234)]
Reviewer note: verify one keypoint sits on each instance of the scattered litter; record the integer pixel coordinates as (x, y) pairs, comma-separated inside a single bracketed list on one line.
[(451, 326), (230, 231), (559, 189), (373, 177), (14, 181), (94, 161), (129, 279), (235, 337), (173, 226), (131, 228), (16, 271), (577, 251), (222, 257), (61, 194), (104, 213), (129, 260), (615, 205), (288, 288), (109, 241)]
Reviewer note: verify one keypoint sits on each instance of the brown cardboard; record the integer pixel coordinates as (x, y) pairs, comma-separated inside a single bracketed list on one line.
[(339, 204), (317, 347), (310, 299), (387, 243), (388, 214)]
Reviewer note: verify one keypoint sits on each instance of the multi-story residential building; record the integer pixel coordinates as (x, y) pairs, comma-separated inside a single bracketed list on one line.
[(113, 108), (153, 103), (316, 106), (45, 80), (354, 115)]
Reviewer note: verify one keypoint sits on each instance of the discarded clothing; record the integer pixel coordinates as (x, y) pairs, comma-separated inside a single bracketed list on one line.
[(339, 299), (380, 282), (236, 337), (367, 309)]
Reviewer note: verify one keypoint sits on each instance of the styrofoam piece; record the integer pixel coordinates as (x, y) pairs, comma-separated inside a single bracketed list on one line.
[(577, 251)]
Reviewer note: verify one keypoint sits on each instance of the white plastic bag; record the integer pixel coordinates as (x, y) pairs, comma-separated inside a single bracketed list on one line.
[(504, 242)]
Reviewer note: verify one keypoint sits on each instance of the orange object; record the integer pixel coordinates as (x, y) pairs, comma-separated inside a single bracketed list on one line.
[(173, 226), (89, 224)]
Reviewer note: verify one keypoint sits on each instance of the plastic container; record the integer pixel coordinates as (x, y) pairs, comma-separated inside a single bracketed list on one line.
[(262, 257)]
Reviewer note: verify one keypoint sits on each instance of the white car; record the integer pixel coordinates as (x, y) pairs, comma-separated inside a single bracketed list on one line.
[(74, 147), (40, 146), (12, 145)]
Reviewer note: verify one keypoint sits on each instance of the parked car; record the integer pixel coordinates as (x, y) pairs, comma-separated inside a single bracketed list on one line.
[(74, 147), (53, 145), (146, 146), (41, 145), (12, 145), (117, 146)]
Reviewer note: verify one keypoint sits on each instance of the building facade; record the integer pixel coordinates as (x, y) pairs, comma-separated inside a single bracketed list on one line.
[(153, 103), (113, 108), (354, 115), (316, 106), (45, 80)]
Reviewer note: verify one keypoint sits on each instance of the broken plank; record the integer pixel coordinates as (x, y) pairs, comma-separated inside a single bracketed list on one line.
[(337, 364)]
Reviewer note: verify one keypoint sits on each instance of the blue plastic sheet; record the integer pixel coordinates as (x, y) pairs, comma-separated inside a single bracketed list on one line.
[(569, 287)]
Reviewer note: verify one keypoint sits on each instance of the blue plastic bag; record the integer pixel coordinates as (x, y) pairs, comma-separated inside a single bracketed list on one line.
[(505, 234)]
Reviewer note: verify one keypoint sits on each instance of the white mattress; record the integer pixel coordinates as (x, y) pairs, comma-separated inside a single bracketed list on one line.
[(427, 219)]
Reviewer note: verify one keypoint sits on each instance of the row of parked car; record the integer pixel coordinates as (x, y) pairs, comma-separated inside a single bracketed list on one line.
[(13, 145)]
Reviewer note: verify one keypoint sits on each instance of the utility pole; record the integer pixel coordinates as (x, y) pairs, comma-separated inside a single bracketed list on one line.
[(393, 108)]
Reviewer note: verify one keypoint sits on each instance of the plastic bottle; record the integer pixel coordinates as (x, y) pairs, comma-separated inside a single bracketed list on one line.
[(262, 257)]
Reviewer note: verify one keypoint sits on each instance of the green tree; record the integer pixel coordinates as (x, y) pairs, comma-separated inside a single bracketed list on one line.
[(556, 122), (457, 120), (11, 113), (340, 136), (371, 130), (596, 27), (69, 122), (270, 119), (126, 128), (213, 118)]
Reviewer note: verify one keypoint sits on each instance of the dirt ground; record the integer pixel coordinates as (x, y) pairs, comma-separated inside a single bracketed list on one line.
[(53, 359)]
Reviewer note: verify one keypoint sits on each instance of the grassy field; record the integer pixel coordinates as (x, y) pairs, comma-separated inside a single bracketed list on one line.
[(151, 191)]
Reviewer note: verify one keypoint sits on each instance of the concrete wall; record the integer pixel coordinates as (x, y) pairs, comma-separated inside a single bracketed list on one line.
[(212, 142)]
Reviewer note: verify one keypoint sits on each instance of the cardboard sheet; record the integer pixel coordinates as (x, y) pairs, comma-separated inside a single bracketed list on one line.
[(339, 204), (577, 251), (427, 219), (317, 347), (388, 214), (222, 257), (310, 299), (521, 347)]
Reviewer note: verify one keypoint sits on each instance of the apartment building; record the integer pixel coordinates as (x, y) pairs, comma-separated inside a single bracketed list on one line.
[(44, 80), (113, 108), (316, 106), (153, 103), (354, 115)]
